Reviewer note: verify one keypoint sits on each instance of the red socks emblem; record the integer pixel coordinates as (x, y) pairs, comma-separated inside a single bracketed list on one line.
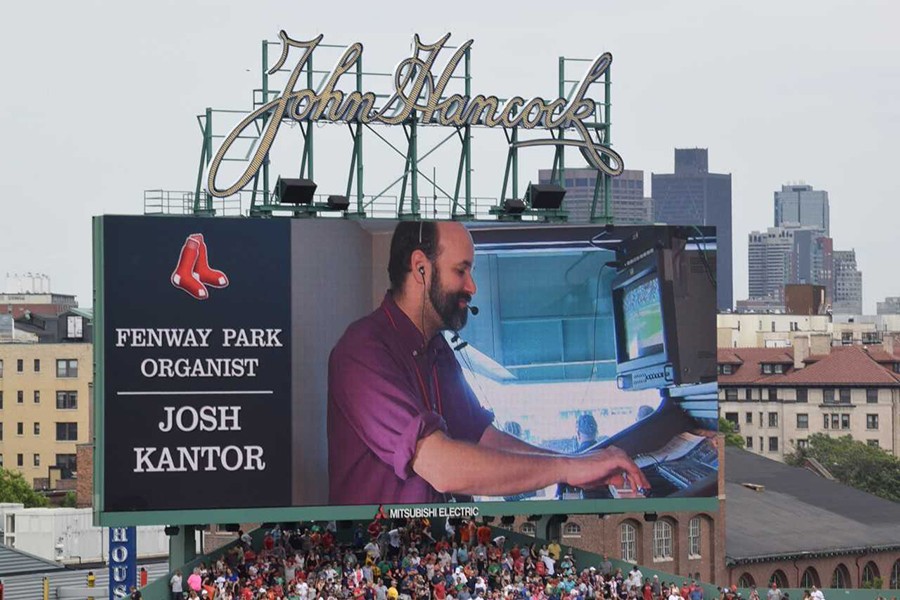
[(193, 273)]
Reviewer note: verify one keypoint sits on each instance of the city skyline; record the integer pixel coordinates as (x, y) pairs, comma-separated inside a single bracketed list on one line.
[(760, 86)]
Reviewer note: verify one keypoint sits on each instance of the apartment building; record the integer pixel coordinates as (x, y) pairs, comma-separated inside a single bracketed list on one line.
[(778, 397), (45, 404)]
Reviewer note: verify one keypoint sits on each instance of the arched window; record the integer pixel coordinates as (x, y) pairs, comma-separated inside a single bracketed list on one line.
[(810, 578), (779, 578), (694, 537), (895, 575), (571, 530), (746, 580), (662, 540), (869, 575), (628, 542), (527, 528), (841, 577)]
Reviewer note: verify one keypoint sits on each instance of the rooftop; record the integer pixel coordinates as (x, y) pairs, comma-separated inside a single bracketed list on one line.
[(832, 518)]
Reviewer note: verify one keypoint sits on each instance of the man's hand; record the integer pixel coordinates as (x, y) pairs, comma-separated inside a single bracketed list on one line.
[(603, 467)]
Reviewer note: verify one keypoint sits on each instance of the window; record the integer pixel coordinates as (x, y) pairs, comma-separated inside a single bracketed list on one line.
[(1, 460), (67, 399), (750, 442), (802, 395), (66, 464), (37, 428), (571, 530), (37, 460), (845, 421), (748, 418), (895, 571), (746, 580), (779, 578), (694, 537), (37, 365), (66, 432), (20, 460), (835, 421), (872, 395), (828, 395), (67, 367), (20, 428), (731, 394), (826, 420), (871, 421), (1, 368), (773, 444), (773, 419), (841, 577), (761, 446), (732, 417), (873, 443), (802, 444), (810, 578), (802, 421), (1, 399), (20, 367), (628, 542), (773, 393), (767, 368), (1, 432), (869, 574), (528, 528), (748, 394), (726, 369), (20, 397), (845, 395), (74, 326), (662, 540), (37, 396)]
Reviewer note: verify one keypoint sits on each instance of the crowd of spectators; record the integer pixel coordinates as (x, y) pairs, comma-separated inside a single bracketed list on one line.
[(409, 562)]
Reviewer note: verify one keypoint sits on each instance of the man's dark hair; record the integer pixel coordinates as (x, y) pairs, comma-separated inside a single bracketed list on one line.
[(410, 236)]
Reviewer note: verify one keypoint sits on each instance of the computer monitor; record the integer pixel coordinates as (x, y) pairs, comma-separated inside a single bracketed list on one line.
[(664, 310)]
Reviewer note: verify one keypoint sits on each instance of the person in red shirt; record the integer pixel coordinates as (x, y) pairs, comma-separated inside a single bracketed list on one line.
[(484, 534), (440, 590), (647, 591)]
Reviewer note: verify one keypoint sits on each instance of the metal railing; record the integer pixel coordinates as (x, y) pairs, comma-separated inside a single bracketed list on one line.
[(176, 202)]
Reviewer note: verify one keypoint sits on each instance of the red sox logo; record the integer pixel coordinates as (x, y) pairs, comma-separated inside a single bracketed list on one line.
[(193, 273)]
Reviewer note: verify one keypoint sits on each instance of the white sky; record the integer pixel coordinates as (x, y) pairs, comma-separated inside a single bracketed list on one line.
[(99, 103)]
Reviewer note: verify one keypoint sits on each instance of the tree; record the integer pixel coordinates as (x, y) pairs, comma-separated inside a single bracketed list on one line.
[(731, 438), (14, 488), (70, 500), (853, 463)]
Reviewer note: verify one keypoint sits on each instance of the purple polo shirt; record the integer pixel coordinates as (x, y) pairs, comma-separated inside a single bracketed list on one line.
[(377, 410)]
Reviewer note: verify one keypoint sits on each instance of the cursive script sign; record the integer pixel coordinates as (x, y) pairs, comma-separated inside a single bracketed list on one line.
[(418, 96)]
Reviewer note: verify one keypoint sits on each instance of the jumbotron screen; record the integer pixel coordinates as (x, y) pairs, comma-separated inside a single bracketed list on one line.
[(293, 369)]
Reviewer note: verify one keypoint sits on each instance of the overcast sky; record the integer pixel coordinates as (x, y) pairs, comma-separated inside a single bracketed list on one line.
[(100, 98)]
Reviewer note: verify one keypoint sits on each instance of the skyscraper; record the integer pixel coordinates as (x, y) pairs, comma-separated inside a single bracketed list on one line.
[(694, 196), (782, 255), (628, 205), (847, 284), (802, 205)]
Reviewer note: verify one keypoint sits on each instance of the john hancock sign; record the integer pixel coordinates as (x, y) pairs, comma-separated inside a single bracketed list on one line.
[(418, 96)]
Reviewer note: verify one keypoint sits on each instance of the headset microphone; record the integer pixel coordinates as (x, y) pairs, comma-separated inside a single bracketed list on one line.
[(473, 310)]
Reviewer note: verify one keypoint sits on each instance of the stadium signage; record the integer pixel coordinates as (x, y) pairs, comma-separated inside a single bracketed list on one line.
[(122, 561), (418, 96), (432, 512)]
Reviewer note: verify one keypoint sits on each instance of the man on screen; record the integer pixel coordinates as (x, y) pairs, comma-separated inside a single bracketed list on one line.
[(403, 424)]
